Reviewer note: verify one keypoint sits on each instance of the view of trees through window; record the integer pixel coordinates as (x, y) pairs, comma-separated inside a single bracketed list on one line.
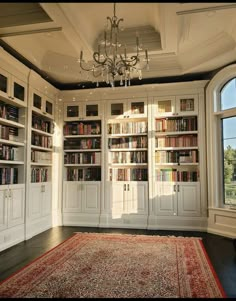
[(228, 101)]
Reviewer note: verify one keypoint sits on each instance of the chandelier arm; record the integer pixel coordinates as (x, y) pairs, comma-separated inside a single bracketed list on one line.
[(85, 69), (97, 60), (120, 20)]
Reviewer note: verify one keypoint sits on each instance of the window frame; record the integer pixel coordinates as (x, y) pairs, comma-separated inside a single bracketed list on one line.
[(214, 115)]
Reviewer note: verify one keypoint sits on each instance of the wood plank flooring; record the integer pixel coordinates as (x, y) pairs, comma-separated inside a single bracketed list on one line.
[(220, 251)]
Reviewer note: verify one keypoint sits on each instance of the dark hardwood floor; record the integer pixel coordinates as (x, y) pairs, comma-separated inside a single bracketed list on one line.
[(220, 251)]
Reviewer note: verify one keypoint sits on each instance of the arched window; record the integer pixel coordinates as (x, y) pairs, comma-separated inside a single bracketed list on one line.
[(228, 138), (221, 139)]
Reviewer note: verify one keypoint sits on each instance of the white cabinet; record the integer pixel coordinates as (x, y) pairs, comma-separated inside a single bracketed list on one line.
[(40, 200), (127, 108), (12, 88), (12, 212), (127, 199), (81, 197), (80, 111), (81, 203), (176, 105), (174, 199)]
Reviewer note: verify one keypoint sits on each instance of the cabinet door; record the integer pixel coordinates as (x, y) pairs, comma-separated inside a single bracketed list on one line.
[(72, 197), (165, 202), (117, 109), (4, 84), (48, 107), (91, 197), (116, 197), (72, 111), (91, 110), (137, 108), (187, 104), (36, 100), (35, 199), (3, 207), (16, 205), (164, 106), (19, 91), (137, 198), (189, 199), (46, 199)]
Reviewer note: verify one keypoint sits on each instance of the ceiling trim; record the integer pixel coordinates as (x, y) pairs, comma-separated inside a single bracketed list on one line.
[(90, 85), (32, 31), (205, 9)]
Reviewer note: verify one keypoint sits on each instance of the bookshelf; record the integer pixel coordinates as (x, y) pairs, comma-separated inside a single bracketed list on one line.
[(82, 132), (176, 158), (13, 102), (40, 157), (126, 147)]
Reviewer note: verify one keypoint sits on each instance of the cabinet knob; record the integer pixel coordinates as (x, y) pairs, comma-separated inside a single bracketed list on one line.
[(124, 187)]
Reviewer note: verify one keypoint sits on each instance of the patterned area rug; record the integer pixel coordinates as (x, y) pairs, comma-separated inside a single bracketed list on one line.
[(118, 266)]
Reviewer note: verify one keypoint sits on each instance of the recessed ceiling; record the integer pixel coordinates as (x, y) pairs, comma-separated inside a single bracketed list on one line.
[(181, 38)]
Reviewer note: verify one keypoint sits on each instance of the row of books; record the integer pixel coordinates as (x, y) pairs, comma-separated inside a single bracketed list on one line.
[(82, 158), (177, 141), (84, 174), (9, 112), (176, 124), (40, 124), (41, 157), (42, 141), (190, 156), (8, 133), (83, 143), (127, 127), (128, 174), (8, 175), (128, 142), (39, 175), (129, 157), (82, 128), (173, 175), (9, 153)]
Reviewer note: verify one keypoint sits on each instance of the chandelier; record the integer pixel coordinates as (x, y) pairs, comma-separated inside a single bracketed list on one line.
[(108, 61)]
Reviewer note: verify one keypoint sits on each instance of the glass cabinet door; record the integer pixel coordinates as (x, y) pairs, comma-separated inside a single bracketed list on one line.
[(164, 106), (19, 90), (4, 83), (37, 101), (187, 104), (117, 110), (137, 108), (91, 110), (72, 111), (48, 109)]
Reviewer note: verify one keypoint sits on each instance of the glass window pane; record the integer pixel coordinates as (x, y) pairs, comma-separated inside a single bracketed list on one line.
[(228, 95), (91, 110), (72, 111), (229, 148), (19, 91), (186, 104), (117, 109), (37, 101), (3, 83)]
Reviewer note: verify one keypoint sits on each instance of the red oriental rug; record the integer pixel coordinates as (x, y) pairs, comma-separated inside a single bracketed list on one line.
[(118, 266)]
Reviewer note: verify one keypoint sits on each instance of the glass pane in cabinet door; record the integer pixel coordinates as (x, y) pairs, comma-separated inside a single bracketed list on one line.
[(49, 107), (19, 92), (72, 111), (137, 107), (91, 110), (37, 101), (117, 109), (164, 106), (186, 104), (3, 83)]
